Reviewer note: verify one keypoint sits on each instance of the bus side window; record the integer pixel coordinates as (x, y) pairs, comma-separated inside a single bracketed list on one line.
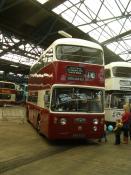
[(45, 60), (49, 56), (47, 99), (33, 99), (107, 100)]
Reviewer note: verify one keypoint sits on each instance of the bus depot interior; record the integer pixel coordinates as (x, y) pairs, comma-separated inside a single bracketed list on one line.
[(65, 74)]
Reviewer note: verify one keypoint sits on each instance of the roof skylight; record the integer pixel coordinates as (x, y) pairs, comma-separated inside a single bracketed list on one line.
[(42, 1), (102, 20)]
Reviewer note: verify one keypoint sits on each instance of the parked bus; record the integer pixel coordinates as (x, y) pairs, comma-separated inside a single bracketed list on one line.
[(66, 90), (7, 93), (118, 89)]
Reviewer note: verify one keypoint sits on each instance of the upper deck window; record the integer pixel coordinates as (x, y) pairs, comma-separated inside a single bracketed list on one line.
[(122, 72), (79, 54), (44, 60), (7, 85)]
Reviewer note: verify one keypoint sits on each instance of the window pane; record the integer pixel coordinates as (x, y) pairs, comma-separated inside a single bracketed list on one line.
[(79, 54), (77, 99)]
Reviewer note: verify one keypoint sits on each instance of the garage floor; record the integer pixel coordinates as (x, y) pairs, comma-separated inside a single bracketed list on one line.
[(24, 152)]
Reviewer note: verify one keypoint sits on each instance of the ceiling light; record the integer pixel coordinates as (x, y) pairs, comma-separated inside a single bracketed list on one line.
[(1, 72), (42, 1), (11, 73), (12, 65), (65, 34)]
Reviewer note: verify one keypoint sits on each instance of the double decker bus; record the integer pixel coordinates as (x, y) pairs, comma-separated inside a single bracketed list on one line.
[(7, 93), (66, 90), (117, 89)]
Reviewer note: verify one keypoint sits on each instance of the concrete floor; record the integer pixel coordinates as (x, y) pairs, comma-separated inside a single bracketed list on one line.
[(24, 152)]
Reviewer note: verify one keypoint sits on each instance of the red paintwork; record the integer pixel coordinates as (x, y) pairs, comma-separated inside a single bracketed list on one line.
[(7, 91), (68, 131), (58, 75), (71, 129), (57, 72), (6, 102)]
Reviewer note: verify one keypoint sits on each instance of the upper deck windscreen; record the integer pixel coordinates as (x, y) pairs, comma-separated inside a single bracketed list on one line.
[(121, 72), (79, 54), (7, 85)]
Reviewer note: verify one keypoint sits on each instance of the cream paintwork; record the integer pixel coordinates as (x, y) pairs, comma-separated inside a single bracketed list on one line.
[(112, 84), (40, 102)]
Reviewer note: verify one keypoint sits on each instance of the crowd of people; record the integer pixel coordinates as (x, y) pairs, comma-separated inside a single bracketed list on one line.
[(122, 127)]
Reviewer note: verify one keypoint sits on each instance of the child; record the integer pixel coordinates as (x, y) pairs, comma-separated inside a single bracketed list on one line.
[(117, 131)]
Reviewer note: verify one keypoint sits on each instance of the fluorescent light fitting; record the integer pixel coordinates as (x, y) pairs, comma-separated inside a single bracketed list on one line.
[(12, 65), (65, 34), (42, 1), (1, 71), (11, 73)]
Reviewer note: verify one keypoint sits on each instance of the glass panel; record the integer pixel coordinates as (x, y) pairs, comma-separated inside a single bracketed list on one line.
[(79, 54), (7, 85), (101, 20), (107, 100), (119, 99), (47, 98), (71, 99), (122, 72), (5, 96)]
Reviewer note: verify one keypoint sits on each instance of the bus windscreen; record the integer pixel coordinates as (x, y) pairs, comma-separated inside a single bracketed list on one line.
[(77, 99), (122, 72), (79, 54), (119, 99)]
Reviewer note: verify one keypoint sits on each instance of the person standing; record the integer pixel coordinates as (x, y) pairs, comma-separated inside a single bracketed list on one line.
[(129, 124), (117, 131), (125, 121)]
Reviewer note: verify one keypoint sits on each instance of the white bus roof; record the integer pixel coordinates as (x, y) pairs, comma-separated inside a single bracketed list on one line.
[(78, 42), (8, 82), (118, 64)]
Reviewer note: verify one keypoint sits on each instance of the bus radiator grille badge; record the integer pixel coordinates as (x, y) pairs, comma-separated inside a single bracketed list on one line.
[(80, 128)]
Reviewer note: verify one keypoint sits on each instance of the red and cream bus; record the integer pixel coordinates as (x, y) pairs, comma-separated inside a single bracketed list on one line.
[(7, 93), (66, 90), (117, 89)]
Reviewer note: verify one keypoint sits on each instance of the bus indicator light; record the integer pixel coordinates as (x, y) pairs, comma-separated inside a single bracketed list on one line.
[(94, 128)]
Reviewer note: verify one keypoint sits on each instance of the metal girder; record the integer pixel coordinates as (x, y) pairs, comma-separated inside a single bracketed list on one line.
[(8, 43), (116, 38)]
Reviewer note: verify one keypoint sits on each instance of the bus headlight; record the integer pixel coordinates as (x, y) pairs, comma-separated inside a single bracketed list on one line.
[(94, 128), (63, 121), (95, 121)]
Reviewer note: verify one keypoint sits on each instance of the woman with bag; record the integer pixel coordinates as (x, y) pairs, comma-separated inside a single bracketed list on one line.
[(125, 120)]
